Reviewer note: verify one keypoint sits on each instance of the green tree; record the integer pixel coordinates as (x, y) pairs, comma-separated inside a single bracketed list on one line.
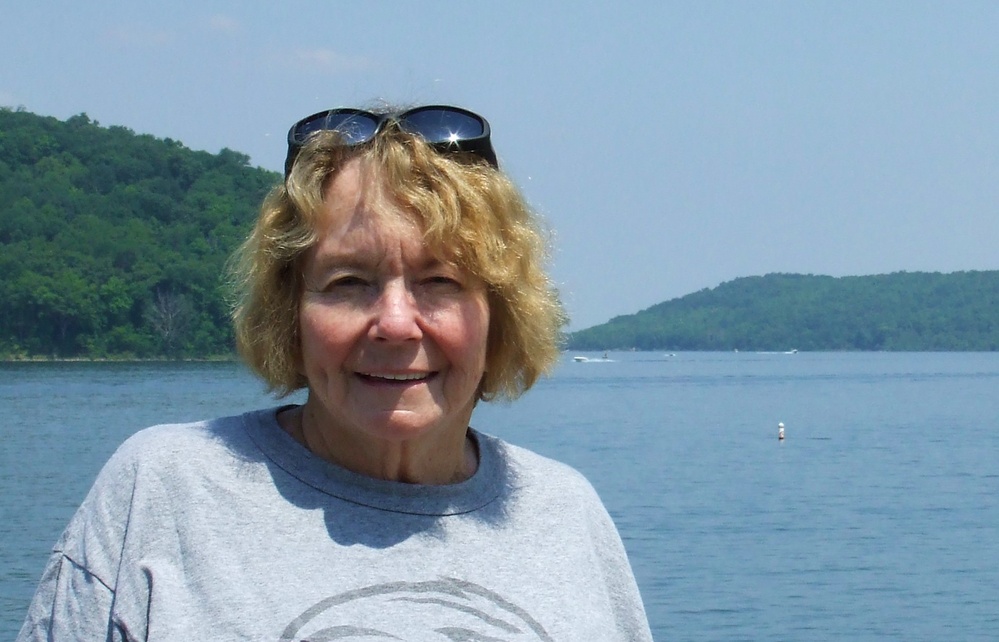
[(113, 243)]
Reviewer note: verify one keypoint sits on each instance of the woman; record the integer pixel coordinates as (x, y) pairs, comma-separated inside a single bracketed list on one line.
[(396, 274)]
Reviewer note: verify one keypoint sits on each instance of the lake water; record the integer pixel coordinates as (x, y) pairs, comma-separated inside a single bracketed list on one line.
[(877, 518)]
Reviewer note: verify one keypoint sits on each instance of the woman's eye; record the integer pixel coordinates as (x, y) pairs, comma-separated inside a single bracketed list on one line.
[(441, 281), (348, 281), (344, 284)]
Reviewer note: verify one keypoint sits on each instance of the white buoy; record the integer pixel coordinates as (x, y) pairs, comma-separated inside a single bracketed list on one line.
[(780, 431)]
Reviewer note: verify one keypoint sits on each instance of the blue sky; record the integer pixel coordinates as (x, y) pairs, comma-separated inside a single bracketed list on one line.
[(671, 146)]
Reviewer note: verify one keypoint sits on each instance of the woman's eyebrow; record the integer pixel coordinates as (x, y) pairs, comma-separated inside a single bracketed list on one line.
[(434, 263), (344, 260), (364, 259)]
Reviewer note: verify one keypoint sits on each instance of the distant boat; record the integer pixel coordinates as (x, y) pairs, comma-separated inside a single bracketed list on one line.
[(580, 359)]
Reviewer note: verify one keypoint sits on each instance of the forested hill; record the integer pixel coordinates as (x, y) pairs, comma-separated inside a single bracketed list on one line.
[(902, 311), (112, 243)]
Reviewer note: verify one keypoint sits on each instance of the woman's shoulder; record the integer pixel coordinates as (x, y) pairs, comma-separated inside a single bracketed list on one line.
[(179, 445), (169, 460), (163, 439), (530, 469)]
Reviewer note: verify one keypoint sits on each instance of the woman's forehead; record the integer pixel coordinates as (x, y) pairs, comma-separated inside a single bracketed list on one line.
[(370, 235), (357, 195), (359, 207)]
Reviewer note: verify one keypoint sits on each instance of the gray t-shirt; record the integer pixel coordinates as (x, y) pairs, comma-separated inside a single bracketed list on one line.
[(230, 530)]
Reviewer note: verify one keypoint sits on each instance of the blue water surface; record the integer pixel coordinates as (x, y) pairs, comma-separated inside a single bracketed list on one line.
[(877, 518)]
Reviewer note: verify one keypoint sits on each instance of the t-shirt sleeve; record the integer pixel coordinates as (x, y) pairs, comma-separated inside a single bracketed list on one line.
[(626, 601), (75, 598), (70, 604)]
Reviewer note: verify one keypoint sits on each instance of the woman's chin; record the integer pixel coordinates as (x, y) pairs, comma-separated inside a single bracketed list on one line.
[(402, 425)]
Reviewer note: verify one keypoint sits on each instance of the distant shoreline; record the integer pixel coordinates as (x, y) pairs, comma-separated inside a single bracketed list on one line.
[(9, 360), (898, 312), (39, 359)]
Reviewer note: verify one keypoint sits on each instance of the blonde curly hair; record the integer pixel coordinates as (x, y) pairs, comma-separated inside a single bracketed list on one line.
[(470, 214)]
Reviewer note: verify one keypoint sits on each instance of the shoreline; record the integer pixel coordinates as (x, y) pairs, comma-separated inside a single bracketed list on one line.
[(7, 359)]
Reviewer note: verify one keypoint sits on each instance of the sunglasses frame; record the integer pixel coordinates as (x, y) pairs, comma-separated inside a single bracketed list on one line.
[(479, 145)]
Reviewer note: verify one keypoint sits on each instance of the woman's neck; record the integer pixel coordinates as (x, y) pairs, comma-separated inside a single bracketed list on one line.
[(449, 459)]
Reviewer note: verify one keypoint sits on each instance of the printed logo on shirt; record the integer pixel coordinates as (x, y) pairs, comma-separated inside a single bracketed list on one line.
[(447, 609)]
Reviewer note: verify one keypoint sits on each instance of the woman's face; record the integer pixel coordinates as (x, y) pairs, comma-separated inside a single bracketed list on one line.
[(393, 340)]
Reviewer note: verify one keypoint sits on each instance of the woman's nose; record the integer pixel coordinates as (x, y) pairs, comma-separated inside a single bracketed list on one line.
[(397, 314)]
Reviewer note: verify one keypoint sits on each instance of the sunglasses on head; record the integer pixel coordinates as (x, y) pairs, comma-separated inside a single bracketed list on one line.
[(447, 129)]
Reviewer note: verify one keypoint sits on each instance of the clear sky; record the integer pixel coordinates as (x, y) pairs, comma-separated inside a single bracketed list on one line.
[(671, 146)]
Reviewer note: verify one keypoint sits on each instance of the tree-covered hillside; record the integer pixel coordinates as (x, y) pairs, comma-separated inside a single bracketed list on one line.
[(112, 243), (901, 311)]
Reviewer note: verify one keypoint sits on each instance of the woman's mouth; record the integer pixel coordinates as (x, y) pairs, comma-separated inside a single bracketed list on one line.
[(384, 377)]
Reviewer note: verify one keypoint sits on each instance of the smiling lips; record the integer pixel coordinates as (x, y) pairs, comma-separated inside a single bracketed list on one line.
[(397, 378)]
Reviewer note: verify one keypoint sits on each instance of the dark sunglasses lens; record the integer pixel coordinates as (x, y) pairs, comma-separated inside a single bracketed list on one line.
[(441, 125), (355, 128)]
